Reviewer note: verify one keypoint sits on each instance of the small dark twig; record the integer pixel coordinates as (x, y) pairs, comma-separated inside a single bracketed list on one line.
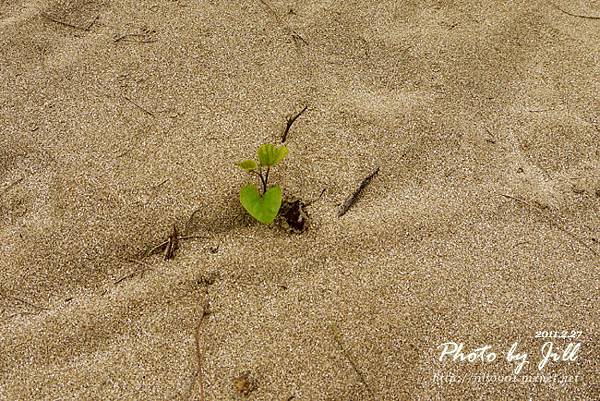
[(295, 36), (81, 28), (352, 198), (62, 22), (338, 339), (491, 139), (156, 249), (593, 17), (552, 222), (291, 121), (24, 302), (172, 244), (161, 247), (316, 199), (263, 181), (266, 179), (89, 26), (145, 38), (128, 276), (160, 184), (29, 303), (138, 106), (298, 38), (543, 110), (127, 35), (12, 184), (145, 267), (199, 377)]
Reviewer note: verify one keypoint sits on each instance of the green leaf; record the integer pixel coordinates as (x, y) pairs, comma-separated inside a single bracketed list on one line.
[(262, 208), (270, 155), (248, 165), (282, 152)]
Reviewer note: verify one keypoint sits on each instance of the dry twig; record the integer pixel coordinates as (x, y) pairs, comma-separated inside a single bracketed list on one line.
[(310, 202), (92, 22), (81, 28), (160, 184), (23, 301), (144, 38), (296, 37), (338, 339), (172, 244), (291, 121), (352, 198), (161, 247), (12, 184), (139, 107), (552, 222), (145, 268), (592, 17)]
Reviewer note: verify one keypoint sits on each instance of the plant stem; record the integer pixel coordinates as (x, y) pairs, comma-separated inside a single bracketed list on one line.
[(266, 180), (263, 180), (264, 185)]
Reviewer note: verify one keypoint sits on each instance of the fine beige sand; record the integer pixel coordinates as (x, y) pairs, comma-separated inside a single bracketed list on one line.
[(119, 119)]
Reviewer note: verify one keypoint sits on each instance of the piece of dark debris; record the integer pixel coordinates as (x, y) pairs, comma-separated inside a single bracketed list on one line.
[(208, 279), (293, 215), (244, 384)]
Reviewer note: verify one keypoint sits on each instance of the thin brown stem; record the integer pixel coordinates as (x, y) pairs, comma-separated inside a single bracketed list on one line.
[(81, 28), (352, 198), (266, 180), (593, 17), (291, 121), (139, 107), (263, 180)]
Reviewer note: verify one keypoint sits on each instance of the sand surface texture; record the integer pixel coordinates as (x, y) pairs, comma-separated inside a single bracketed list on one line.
[(119, 119)]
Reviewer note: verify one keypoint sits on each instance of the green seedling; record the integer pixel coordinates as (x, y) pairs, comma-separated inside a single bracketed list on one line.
[(263, 203)]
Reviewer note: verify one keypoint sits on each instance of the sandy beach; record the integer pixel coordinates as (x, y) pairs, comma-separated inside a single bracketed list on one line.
[(473, 251)]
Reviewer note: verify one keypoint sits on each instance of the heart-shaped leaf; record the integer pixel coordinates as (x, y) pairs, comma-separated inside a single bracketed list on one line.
[(262, 208), (248, 165), (270, 155)]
